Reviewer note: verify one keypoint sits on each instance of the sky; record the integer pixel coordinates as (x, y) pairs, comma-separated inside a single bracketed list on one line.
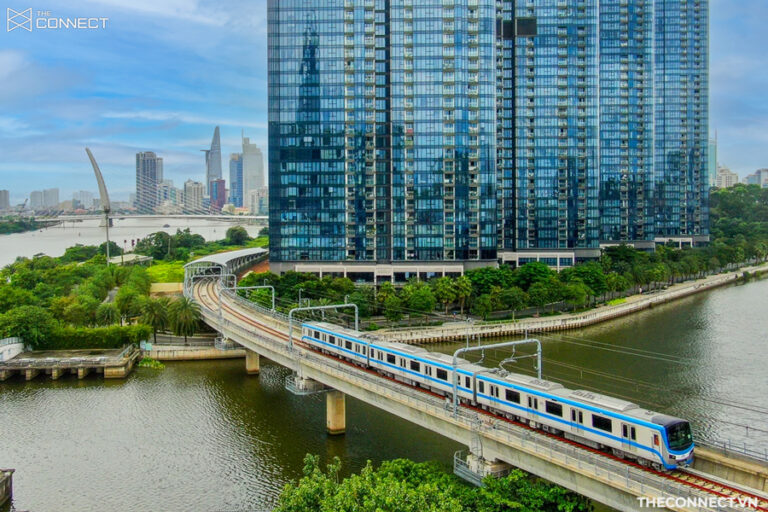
[(164, 73)]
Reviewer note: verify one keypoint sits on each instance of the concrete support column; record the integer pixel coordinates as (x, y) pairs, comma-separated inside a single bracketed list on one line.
[(5, 374), (82, 372), (31, 373), (252, 363), (335, 412), (56, 373)]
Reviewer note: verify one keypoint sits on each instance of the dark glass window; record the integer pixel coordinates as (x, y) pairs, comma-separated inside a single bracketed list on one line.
[(415, 366), (602, 423), (442, 374), (391, 359), (554, 408)]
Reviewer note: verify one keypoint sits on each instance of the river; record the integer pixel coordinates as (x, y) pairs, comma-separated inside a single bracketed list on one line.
[(54, 240), (205, 436)]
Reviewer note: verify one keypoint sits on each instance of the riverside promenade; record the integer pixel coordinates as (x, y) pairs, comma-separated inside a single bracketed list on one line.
[(457, 331)]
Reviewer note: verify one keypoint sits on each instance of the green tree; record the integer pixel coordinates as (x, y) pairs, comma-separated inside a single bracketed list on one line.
[(393, 308), (128, 302), (483, 306), (107, 314), (237, 235), (13, 297), (532, 273), (463, 290), (32, 324), (154, 313), (184, 316), (422, 300), (513, 298), (445, 291)]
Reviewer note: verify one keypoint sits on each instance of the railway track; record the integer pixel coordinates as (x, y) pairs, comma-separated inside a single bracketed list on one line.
[(688, 477)]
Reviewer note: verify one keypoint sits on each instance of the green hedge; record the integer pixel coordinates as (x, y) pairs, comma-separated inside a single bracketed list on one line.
[(114, 336)]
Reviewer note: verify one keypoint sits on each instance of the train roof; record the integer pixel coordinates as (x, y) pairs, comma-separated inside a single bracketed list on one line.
[(598, 400), (520, 379), (402, 347), (445, 359), (344, 331)]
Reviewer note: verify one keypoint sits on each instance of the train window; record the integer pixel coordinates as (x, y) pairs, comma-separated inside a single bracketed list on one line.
[(415, 366), (496, 391), (391, 359), (581, 418), (624, 431), (317, 335), (332, 340), (632, 433), (402, 362), (533, 403), (467, 381), (428, 370), (554, 408), (656, 439), (442, 374), (349, 345), (602, 423), (512, 396), (481, 386), (365, 350)]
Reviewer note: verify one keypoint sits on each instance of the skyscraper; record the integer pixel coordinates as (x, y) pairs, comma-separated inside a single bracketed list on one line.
[(236, 179), (253, 167), (51, 198), (469, 132), (36, 199), (213, 160), (682, 119), (5, 200), (149, 174), (193, 197), (218, 194)]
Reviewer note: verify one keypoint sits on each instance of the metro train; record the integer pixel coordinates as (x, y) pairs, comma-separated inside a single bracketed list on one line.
[(598, 421)]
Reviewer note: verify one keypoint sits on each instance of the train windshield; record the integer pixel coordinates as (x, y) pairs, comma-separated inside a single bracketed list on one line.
[(679, 435)]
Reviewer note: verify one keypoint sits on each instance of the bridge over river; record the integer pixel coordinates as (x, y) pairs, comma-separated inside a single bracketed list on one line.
[(493, 443)]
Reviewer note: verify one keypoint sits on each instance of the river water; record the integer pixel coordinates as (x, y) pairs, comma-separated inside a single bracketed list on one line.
[(205, 436), (54, 240)]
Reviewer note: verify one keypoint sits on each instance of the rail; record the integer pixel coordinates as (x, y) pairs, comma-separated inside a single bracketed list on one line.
[(726, 446), (10, 341), (636, 480)]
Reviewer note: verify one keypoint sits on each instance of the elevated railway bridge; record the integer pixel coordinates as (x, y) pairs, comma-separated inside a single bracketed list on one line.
[(720, 480)]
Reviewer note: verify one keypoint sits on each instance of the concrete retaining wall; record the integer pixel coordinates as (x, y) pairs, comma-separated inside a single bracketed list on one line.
[(171, 353)]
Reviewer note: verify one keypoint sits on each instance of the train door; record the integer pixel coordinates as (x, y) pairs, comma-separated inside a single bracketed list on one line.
[(533, 407), (577, 421), (628, 436)]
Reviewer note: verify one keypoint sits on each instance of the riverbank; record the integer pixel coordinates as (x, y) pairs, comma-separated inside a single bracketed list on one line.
[(456, 331)]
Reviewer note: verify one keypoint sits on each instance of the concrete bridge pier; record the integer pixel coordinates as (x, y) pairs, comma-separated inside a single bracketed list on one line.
[(82, 372), (335, 412), (252, 362), (31, 373), (56, 373)]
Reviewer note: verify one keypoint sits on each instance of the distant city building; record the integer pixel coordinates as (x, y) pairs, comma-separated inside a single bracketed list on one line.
[(759, 177), (726, 178), (36, 200), (168, 194), (51, 198), (236, 179), (132, 198), (218, 194), (149, 174), (82, 199), (712, 163), (194, 193), (258, 201), (254, 176), (213, 160), (5, 200)]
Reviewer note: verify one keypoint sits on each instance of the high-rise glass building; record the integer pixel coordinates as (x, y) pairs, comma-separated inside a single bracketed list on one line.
[(213, 160), (452, 133), (236, 179), (149, 174)]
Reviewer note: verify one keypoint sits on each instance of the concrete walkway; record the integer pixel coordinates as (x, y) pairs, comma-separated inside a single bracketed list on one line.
[(455, 331)]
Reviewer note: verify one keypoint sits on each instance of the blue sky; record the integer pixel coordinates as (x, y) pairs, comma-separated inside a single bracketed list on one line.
[(165, 72)]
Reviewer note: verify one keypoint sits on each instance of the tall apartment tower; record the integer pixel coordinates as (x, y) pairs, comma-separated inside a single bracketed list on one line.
[(236, 179), (448, 135), (213, 160), (193, 197), (682, 119), (51, 198), (5, 200), (149, 174)]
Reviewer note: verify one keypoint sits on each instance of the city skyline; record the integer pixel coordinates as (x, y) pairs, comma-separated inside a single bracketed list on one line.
[(174, 112)]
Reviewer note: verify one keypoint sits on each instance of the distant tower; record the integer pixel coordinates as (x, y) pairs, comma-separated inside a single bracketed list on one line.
[(253, 167), (149, 174), (236, 179), (213, 160)]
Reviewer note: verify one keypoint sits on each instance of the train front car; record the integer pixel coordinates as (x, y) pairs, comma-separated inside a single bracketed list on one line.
[(678, 441)]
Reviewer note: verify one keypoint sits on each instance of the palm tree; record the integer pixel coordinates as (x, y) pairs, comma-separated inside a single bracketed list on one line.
[(107, 314), (154, 313), (184, 315)]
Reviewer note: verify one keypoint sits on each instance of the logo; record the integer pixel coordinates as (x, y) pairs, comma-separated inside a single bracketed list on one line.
[(43, 20), (18, 19)]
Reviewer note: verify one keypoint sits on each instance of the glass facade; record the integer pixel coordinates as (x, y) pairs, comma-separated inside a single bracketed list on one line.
[(682, 117), (556, 138), (236, 179), (451, 130), (626, 121)]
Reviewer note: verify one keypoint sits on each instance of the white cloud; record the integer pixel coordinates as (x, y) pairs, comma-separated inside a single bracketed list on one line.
[(183, 117)]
